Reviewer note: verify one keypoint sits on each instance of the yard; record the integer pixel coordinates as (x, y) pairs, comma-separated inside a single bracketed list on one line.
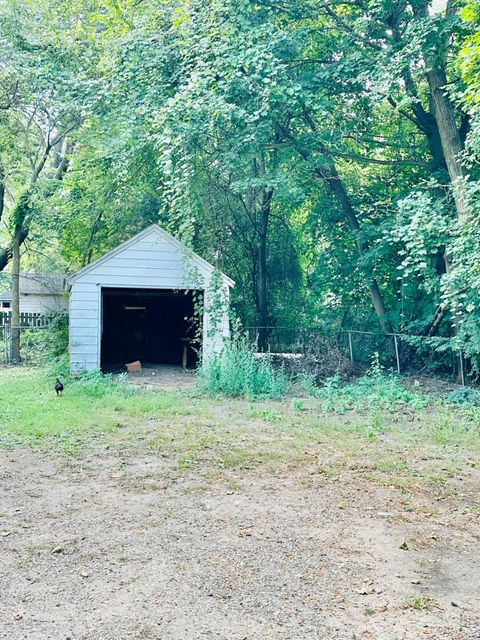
[(162, 514)]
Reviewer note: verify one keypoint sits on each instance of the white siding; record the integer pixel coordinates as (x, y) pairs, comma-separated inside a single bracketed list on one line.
[(41, 303), (149, 262), (84, 327)]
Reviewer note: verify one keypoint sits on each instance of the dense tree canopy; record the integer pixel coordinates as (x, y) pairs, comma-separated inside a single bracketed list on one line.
[(323, 154)]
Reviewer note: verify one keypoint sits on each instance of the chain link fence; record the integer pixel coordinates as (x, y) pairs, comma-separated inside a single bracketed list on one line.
[(35, 334), (32, 340), (349, 352), (407, 354)]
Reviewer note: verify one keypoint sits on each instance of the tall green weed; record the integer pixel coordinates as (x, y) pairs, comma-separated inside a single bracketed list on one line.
[(238, 371)]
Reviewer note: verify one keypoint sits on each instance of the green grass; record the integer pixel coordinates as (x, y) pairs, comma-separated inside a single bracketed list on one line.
[(426, 447), (420, 603), (30, 410)]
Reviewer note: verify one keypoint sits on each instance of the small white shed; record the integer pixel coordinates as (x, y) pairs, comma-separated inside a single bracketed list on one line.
[(151, 299)]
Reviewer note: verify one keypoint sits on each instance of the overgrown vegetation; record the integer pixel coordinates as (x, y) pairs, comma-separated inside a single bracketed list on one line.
[(465, 396), (237, 432), (47, 345), (375, 389), (300, 148), (238, 371)]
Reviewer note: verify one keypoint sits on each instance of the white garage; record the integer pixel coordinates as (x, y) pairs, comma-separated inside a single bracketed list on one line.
[(151, 299)]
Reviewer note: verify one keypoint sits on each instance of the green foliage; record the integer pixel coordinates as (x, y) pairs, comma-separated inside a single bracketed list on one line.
[(422, 226), (298, 404), (465, 396), (374, 390), (307, 382), (48, 88), (95, 384), (295, 147), (238, 371), (22, 212), (420, 603), (469, 55), (47, 346)]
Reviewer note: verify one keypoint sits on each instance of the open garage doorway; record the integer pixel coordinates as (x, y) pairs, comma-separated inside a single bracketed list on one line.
[(155, 326)]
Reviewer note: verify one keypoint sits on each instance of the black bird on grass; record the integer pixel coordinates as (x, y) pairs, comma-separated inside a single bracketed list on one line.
[(58, 387)]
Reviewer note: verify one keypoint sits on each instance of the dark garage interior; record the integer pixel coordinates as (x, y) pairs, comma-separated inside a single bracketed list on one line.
[(155, 326)]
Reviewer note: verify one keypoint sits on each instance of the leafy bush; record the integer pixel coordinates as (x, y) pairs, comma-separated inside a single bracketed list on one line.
[(94, 384), (307, 383), (45, 345), (375, 389), (58, 367), (238, 371), (465, 396)]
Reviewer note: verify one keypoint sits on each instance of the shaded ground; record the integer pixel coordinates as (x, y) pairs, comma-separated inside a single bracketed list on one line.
[(223, 520), (162, 377)]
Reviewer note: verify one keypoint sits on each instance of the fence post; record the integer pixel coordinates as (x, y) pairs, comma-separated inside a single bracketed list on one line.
[(396, 352), (350, 345), (462, 370), (6, 337)]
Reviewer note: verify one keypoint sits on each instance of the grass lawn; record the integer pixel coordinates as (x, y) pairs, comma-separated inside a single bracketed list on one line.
[(30, 411), (234, 432), (228, 518)]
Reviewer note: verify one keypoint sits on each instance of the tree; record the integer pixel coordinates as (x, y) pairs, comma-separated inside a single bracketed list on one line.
[(325, 155), (45, 98)]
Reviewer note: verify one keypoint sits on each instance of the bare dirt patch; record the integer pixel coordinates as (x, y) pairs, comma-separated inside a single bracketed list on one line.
[(162, 377), (130, 542)]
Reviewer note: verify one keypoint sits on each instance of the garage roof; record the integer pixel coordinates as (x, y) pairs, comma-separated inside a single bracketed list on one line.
[(196, 259)]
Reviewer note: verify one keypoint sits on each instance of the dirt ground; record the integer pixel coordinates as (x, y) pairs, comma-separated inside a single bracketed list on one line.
[(121, 543), (162, 377)]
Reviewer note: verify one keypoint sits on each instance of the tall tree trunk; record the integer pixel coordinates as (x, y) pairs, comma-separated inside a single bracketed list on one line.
[(7, 253), (449, 135), (15, 329), (452, 146), (427, 125), (434, 143), (262, 272)]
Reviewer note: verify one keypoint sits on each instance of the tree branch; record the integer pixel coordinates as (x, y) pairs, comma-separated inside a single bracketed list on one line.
[(364, 159)]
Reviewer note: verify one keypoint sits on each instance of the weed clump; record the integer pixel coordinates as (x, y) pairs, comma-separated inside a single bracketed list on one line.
[(376, 389), (420, 603), (42, 345), (91, 384), (95, 384), (465, 396), (239, 372)]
